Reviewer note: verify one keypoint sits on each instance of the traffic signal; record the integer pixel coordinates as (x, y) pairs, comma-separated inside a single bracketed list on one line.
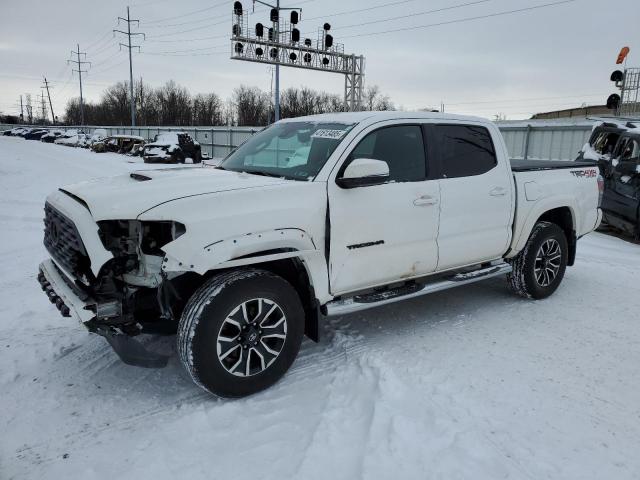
[(328, 41), (622, 56), (613, 102)]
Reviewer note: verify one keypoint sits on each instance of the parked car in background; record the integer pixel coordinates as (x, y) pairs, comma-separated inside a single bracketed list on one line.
[(51, 136), (36, 134), (603, 141), (118, 144), (172, 147), (72, 138), (14, 132), (24, 132), (98, 135), (621, 198), (65, 136)]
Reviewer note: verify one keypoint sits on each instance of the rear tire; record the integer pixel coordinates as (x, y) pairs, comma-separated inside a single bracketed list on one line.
[(240, 332), (539, 268)]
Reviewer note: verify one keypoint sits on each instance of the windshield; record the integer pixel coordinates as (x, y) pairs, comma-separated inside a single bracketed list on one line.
[(293, 150)]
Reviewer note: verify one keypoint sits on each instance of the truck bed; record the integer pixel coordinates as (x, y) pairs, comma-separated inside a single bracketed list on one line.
[(537, 165)]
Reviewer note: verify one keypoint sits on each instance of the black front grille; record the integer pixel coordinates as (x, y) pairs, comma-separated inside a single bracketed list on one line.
[(62, 240)]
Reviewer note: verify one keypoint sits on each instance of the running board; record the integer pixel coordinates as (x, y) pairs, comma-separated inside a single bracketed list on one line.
[(377, 299)]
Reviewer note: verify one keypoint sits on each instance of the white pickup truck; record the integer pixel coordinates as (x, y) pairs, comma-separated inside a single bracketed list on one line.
[(315, 216)]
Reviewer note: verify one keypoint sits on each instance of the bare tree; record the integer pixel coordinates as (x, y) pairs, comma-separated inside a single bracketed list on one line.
[(252, 106), (374, 100), (173, 105)]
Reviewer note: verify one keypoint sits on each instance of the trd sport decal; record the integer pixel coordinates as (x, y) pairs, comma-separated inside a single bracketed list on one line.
[(585, 173)]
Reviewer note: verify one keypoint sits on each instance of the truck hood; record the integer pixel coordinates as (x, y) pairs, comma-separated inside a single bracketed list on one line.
[(125, 197)]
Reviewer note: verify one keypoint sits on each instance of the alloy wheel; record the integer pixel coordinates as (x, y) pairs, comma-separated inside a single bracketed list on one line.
[(251, 337)]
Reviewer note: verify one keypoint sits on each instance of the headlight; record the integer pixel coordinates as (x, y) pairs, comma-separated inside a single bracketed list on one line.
[(156, 235), (123, 237)]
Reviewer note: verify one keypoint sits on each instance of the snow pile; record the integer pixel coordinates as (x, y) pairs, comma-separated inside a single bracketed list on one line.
[(471, 383)]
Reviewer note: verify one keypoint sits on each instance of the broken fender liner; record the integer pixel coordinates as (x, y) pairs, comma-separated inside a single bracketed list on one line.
[(133, 352)]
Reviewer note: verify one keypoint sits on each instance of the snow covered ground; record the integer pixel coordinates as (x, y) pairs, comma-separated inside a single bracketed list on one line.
[(471, 383)]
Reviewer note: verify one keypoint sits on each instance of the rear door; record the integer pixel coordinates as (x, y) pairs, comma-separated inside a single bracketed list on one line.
[(475, 196)]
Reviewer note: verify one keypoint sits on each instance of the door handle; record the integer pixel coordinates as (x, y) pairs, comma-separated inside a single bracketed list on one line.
[(425, 200), (498, 192)]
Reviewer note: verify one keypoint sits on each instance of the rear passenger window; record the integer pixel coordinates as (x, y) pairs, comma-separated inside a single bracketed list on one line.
[(465, 150), (401, 147)]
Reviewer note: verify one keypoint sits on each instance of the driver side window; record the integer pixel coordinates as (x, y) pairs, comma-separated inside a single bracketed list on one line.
[(402, 147)]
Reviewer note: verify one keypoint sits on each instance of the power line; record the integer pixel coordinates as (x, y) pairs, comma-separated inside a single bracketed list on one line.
[(494, 102), (160, 20), (214, 37), (110, 67), (360, 10), (461, 20), (192, 49), (416, 14), (102, 62), (186, 54)]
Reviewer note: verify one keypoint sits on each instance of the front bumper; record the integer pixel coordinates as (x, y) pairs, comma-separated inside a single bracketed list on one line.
[(69, 300), (72, 302)]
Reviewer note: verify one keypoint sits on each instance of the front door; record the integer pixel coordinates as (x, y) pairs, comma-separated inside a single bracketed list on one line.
[(385, 233)]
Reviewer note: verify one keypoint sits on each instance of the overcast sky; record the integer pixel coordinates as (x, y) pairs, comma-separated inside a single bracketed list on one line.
[(516, 64)]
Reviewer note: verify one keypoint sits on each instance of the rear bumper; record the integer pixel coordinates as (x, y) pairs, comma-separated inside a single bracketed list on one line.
[(598, 219), (158, 159)]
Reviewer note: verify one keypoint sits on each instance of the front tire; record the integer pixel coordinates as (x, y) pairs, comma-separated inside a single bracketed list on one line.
[(240, 332), (539, 268)]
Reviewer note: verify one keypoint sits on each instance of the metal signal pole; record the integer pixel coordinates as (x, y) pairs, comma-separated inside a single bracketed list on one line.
[(79, 63), (46, 85), (21, 110), (276, 38), (129, 46)]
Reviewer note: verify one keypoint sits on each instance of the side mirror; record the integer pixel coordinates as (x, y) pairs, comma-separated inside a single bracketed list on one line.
[(364, 172)]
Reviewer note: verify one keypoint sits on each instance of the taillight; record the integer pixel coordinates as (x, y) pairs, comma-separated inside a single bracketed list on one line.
[(600, 189)]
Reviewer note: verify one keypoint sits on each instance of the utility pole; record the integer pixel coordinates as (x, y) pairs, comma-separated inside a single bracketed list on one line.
[(46, 85), (29, 108), (79, 63), (21, 110), (43, 106), (129, 46)]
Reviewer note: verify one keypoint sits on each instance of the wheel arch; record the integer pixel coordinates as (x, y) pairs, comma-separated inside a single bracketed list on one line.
[(562, 214), (564, 218)]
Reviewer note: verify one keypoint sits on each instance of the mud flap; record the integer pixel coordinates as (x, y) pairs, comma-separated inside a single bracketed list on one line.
[(133, 352)]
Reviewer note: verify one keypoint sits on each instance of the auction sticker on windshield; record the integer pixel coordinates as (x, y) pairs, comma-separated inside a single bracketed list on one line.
[(330, 134)]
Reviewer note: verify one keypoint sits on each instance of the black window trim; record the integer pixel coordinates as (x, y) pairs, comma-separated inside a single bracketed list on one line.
[(430, 169), (431, 129)]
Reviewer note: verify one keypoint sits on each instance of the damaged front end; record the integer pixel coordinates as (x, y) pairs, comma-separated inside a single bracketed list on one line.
[(129, 294)]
